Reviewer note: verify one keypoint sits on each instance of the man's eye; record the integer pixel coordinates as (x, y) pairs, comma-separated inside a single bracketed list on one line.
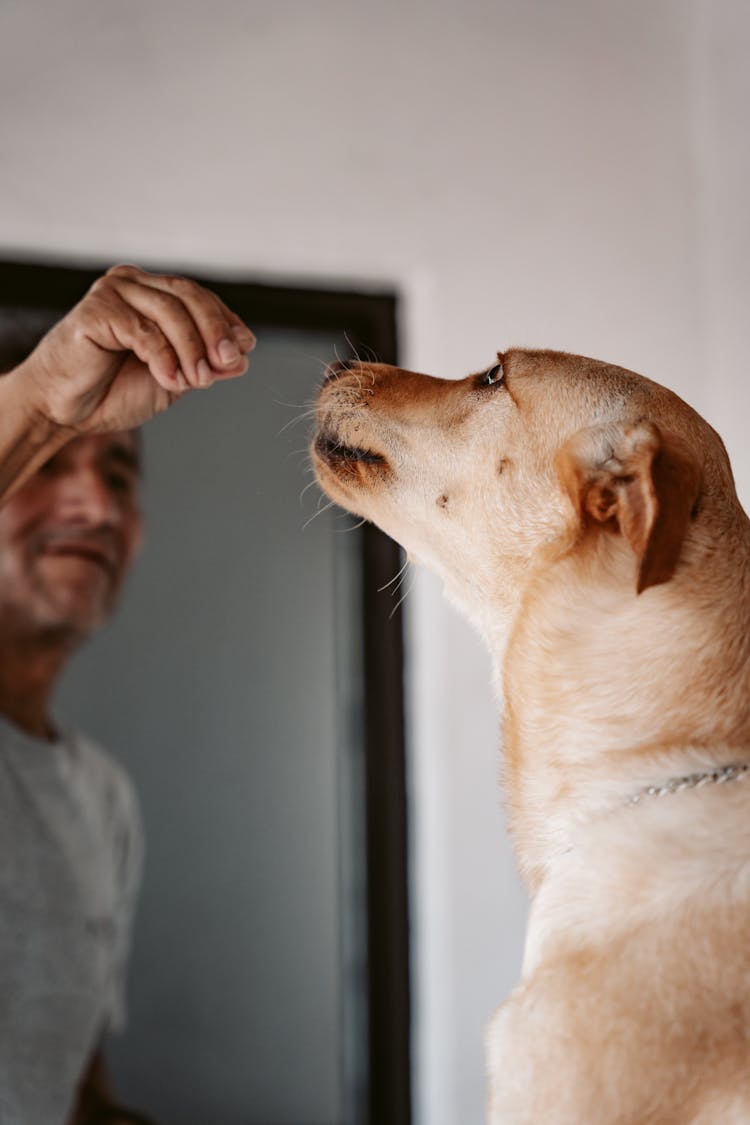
[(50, 467), (118, 482), (494, 375)]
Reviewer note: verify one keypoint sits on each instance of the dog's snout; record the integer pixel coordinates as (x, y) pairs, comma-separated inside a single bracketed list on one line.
[(338, 367)]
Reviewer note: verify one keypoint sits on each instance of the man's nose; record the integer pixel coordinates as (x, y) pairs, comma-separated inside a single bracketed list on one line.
[(84, 496)]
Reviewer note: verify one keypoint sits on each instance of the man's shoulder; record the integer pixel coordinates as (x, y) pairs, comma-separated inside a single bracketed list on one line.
[(101, 773)]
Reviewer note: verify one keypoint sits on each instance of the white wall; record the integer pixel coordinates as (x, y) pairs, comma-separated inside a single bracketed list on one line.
[(720, 97), (572, 175)]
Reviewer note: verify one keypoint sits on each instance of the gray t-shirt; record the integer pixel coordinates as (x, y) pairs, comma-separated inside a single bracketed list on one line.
[(70, 860)]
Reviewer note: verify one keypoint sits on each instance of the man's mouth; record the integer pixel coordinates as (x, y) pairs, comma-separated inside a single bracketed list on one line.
[(88, 552)]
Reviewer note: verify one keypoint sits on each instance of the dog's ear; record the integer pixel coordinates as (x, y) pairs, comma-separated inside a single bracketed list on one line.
[(643, 481)]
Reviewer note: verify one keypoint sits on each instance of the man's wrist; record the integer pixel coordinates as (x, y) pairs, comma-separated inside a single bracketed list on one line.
[(26, 384)]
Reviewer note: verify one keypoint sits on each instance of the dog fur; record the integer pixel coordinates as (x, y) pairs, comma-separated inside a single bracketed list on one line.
[(586, 520)]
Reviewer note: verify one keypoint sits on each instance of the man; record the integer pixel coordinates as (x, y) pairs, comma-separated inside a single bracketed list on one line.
[(70, 527)]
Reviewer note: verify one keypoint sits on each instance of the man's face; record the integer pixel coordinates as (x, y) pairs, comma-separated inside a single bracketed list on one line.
[(70, 534)]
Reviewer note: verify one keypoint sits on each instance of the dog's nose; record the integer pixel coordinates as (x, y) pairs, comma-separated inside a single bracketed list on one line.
[(338, 367)]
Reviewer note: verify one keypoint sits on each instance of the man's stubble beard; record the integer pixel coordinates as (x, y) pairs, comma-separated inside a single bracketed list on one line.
[(51, 613)]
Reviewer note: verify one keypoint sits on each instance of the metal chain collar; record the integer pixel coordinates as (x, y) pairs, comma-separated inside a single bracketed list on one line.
[(734, 772)]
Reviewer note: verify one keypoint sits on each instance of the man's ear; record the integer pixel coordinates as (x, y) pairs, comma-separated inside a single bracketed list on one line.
[(642, 480)]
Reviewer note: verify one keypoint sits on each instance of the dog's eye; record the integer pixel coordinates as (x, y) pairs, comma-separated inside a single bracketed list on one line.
[(494, 375)]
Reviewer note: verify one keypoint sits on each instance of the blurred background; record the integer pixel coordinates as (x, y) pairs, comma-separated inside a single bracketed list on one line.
[(572, 175)]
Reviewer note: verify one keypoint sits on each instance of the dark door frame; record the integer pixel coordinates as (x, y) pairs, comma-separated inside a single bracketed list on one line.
[(370, 323)]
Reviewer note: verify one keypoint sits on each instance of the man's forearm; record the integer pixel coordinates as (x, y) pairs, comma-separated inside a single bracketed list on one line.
[(27, 438)]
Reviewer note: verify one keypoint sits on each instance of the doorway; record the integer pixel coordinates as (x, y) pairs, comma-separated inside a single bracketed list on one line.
[(252, 686)]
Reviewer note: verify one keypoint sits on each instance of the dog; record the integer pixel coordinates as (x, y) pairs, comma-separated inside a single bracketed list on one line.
[(585, 519)]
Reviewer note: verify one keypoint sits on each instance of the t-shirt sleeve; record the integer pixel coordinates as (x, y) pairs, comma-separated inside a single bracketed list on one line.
[(128, 861)]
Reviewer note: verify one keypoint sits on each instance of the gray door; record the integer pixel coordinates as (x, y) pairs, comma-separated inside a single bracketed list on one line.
[(216, 686)]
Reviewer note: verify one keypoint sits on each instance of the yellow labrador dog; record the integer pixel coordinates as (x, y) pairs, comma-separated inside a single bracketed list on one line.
[(586, 520)]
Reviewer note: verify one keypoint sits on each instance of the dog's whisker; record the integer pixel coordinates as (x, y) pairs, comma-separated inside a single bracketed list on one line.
[(398, 585), (307, 488), (396, 576), (352, 349), (303, 452), (295, 421), (346, 530), (295, 405), (371, 355), (401, 601), (319, 512)]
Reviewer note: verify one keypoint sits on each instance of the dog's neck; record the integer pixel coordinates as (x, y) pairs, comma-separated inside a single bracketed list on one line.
[(607, 692)]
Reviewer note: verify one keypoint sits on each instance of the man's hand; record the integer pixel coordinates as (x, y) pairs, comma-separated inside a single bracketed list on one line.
[(128, 349)]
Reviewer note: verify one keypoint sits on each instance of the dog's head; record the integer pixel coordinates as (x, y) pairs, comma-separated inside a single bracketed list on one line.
[(541, 454)]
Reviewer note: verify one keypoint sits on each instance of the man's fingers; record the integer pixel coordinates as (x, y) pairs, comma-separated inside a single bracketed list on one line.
[(174, 321), (225, 339), (129, 330)]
